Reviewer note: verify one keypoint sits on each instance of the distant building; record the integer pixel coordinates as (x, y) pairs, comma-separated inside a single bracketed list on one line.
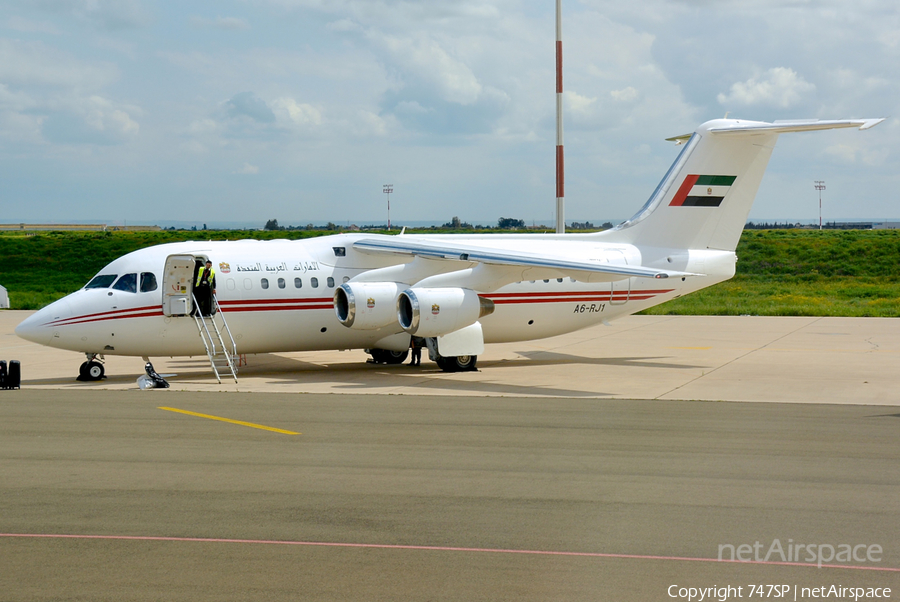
[(76, 227), (886, 225), (4, 298)]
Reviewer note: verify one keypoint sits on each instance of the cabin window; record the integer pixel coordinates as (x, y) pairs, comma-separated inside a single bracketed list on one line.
[(340, 251), (264, 282), (346, 279), (248, 284), (314, 282), (127, 283), (148, 282), (298, 283), (101, 281), (330, 282), (559, 279), (230, 285), (281, 283)]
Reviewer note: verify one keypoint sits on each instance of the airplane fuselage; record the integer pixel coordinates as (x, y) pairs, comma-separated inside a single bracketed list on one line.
[(277, 296)]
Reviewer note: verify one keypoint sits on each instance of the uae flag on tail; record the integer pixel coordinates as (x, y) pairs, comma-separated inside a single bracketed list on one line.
[(702, 191)]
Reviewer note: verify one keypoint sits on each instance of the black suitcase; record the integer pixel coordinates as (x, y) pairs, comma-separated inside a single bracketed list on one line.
[(14, 375), (2, 374)]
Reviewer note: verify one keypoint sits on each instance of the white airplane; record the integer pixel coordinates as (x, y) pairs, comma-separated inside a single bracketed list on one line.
[(458, 292)]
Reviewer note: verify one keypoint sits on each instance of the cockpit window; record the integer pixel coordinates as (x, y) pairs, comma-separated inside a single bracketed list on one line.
[(127, 283), (101, 281), (148, 282)]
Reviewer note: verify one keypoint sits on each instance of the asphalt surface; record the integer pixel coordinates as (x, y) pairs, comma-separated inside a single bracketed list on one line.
[(121, 495), (740, 358)]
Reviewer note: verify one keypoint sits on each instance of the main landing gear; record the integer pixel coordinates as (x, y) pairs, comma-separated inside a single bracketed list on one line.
[(92, 369), (460, 363), (385, 356)]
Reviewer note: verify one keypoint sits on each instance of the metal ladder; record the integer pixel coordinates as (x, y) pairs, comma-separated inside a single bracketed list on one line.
[(221, 358)]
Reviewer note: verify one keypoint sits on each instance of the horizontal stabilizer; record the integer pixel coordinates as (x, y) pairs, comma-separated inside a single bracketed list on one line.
[(738, 126)]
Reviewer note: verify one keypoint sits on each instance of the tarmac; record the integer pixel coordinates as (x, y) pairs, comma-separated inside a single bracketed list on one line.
[(619, 463), (763, 359)]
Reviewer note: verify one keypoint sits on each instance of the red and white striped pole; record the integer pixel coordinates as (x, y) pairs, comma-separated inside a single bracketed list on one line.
[(560, 169)]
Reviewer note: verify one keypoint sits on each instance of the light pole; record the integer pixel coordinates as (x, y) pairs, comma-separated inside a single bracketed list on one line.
[(560, 168), (388, 189), (820, 186)]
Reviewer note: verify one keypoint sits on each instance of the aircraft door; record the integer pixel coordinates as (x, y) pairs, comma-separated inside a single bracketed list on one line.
[(178, 285)]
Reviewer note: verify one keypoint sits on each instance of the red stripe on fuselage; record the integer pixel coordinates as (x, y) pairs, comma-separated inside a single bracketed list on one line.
[(235, 302), (137, 312), (568, 297)]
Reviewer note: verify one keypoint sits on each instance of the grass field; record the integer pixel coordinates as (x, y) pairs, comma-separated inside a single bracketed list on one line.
[(779, 272), (805, 273)]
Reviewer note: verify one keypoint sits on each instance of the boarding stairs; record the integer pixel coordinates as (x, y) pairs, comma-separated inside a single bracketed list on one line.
[(211, 329)]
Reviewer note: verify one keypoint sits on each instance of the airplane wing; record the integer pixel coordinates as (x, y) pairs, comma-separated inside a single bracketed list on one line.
[(450, 251)]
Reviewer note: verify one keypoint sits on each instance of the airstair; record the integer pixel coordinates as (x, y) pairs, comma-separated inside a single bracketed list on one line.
[(211, 329)]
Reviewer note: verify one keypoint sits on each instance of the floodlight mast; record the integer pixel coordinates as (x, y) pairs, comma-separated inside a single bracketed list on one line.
[(820, 186), (560, 169), (388, 189)]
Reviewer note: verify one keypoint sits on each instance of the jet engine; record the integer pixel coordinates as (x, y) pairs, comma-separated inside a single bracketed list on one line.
[(367, 305), (431, 312)]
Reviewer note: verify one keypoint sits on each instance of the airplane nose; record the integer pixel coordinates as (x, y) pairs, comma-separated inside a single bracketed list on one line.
[(37, 327)]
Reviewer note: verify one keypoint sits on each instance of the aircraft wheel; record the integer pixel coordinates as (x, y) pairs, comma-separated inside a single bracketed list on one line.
[(461, 363), (384, 356), (91, 371)]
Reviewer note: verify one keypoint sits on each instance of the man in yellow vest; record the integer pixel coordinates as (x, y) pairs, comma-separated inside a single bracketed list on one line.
[(205, 288)]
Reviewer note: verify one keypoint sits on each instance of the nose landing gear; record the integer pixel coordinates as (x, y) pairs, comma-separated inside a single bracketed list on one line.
[(92, 369)]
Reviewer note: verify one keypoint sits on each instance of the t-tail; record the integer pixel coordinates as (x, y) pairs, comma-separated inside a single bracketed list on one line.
[(704, 199)]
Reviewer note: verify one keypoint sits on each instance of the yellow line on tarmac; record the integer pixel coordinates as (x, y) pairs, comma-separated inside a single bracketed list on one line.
[(250, 424)]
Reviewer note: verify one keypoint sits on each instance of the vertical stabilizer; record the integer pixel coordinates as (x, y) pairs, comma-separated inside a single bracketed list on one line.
[(704, 199)]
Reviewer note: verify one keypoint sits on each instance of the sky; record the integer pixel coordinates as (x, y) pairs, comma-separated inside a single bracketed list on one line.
[(241, 111)]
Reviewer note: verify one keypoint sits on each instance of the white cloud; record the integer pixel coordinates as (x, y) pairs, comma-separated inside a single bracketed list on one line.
[(628, 94), (203, 127), (301, 114), (578, 103), (427, 60), (778, 87), (50, 95), (94, 120), (247, 170), (249, 105), (848, 153)]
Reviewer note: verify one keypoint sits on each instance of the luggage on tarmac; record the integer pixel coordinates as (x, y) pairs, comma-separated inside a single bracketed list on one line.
[(13, 375)]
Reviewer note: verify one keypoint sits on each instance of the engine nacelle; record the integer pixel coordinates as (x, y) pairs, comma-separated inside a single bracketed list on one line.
[(367, 305), (431, 312)]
